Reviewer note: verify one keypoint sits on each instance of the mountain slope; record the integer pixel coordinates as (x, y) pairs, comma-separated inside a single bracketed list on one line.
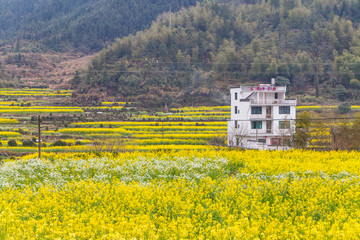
[(312, 46), (85, 25)]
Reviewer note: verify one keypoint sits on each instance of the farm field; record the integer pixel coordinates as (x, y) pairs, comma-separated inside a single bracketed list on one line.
[(115, 171), (182, 195), (111, 126), (122, 126)]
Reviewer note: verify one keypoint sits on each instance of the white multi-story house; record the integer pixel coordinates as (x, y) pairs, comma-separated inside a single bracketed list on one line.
[(261, 117)]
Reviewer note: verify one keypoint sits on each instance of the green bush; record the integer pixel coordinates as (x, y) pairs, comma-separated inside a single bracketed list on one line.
[(59, 143), (12, 143), (28, 143), (354, 83), (344, 108)]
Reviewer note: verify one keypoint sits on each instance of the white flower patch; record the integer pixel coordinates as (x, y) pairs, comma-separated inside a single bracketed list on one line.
[(36, 172)]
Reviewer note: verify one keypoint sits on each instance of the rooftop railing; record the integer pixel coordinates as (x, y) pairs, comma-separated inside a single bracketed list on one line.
[(267, 88)]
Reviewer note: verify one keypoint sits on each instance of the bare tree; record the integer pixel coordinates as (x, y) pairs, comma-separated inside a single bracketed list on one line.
[(287, 134), (238, 136)]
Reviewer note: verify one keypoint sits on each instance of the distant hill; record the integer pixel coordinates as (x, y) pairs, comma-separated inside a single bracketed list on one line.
[(78, 25), (311, 46)]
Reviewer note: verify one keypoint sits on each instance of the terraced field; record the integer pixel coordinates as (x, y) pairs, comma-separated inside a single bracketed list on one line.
[(121, 126)]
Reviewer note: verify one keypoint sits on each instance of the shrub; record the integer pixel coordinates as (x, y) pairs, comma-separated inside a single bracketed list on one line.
[(12, 143), (344, 108), (354, 83), (59, 143), (28, 143)]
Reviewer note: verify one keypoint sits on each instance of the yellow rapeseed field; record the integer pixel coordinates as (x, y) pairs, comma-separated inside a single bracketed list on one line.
[(182, 195), (8, 121), (8, 134)]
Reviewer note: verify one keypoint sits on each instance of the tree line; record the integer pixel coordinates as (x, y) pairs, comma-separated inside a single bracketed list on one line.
[(81, 25), (197, 53)]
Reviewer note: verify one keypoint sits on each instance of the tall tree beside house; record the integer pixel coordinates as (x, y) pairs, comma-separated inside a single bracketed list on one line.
[(302, 134)]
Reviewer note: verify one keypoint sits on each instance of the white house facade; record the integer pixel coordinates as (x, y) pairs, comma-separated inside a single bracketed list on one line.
[(261, 117)]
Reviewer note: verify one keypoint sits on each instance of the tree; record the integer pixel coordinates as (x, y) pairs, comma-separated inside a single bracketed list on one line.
[(341, 92), (354, 83), (302, 133), (272, 71), (238, 135), (317, 71), (283, 70), (282, 81), (17, 47), (76, 80), (346, 136)]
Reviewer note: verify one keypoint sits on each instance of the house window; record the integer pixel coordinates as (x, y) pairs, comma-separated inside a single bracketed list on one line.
[(256, 125), (237, 141), (275, 141), (276, 95), (236, 125), (284, 110), (262, 140), (256, 110), (236, 96), (236, 109), (284, 124)]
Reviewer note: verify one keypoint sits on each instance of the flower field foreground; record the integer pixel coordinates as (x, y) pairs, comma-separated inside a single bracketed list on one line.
[(183, 194)]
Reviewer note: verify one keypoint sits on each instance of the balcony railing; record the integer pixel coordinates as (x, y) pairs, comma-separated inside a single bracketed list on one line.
[(261, 116), (274, 102)]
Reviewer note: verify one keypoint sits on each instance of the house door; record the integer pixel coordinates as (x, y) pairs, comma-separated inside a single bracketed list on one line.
[(268, 111), (268, 126)]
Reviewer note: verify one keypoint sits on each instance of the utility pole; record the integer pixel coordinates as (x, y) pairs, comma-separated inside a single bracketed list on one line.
[(39, 136)]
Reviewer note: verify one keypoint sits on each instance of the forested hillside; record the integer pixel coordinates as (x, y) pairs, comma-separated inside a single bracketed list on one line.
[(193, 57), (81, 25)]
